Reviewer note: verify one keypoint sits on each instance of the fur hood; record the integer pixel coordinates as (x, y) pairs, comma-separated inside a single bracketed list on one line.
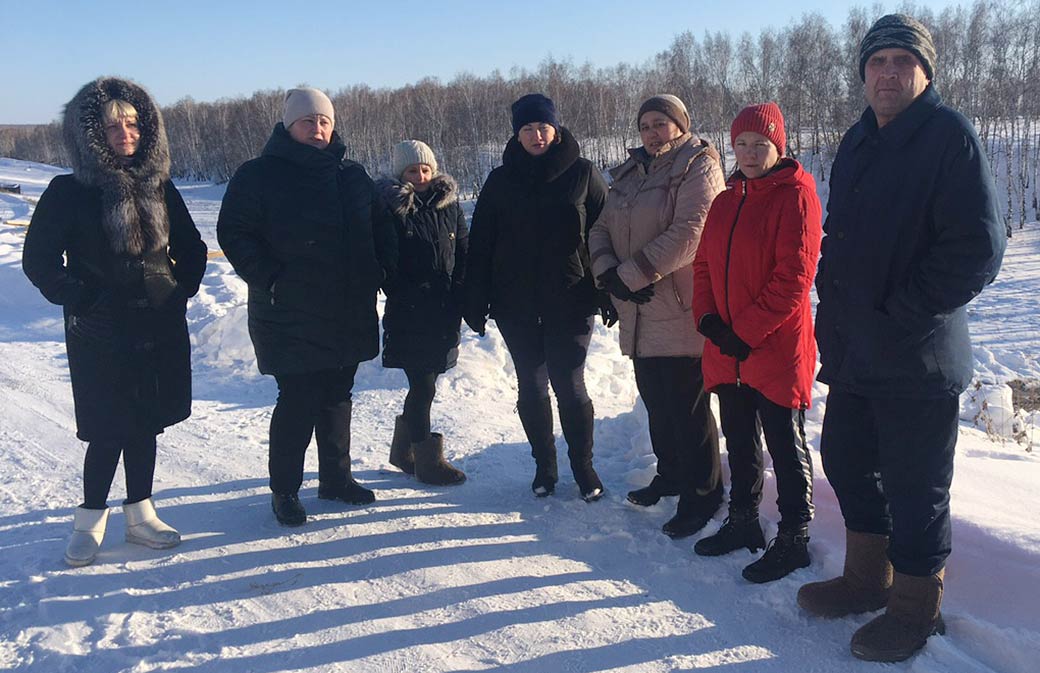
[(133, 202), (400, 196)]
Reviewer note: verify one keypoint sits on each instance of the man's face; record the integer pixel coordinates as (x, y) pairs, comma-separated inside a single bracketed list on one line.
[(893, 79)]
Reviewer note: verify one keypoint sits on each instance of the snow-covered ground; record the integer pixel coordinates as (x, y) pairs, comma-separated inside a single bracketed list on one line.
[(471, 578)]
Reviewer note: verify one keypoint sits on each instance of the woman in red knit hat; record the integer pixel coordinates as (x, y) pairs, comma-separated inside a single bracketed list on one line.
[(752, 275)]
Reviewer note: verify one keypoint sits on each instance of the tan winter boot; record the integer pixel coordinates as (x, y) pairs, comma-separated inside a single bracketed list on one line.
[(88, 529), (863, 586), (912, 616), (143, 526), (401, 455), (430, 466)]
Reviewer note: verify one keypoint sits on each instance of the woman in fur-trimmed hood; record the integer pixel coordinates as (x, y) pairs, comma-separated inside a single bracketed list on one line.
[(114, 245), (422, 316)]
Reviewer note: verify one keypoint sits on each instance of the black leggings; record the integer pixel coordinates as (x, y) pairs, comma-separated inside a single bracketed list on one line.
[(549, 353), (99, 468), (422, 386)]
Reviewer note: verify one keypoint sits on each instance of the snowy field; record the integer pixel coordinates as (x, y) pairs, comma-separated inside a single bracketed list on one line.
[(471, 578)]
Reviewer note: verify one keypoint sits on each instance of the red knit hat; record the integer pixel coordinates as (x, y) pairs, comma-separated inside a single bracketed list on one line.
[(764, 118)]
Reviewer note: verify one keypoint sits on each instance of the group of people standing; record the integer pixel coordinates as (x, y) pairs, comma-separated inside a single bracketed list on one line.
[(709, 277)]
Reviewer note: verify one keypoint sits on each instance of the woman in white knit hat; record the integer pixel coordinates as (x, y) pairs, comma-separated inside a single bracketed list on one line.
[(422, 317)]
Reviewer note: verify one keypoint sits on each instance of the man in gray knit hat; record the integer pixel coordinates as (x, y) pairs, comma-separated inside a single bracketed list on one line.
[(913, 234)]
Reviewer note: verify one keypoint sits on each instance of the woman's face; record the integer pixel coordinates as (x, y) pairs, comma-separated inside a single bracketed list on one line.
[(756, 155), (656, 129), (537, 137), (419, 175), (314, 130), (122, 135)]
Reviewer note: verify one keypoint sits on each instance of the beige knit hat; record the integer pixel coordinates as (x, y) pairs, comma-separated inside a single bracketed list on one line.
[(668, 105), (306, 101), (410, 152)]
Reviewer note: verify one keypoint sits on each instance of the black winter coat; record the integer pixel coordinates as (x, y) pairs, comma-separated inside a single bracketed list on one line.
[(129, 363), (528, 256), (913, 234), (313, 240), (422, 315)]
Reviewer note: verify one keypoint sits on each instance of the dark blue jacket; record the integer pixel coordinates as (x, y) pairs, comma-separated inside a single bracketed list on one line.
[(313, 240), (912, 235)]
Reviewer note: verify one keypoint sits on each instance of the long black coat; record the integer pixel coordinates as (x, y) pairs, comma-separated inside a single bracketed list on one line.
[(528, 256), (422, 316), (313, 240), (129, 363), (913, 234)]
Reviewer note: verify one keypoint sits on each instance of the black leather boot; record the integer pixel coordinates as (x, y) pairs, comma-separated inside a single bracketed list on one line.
[(288, 510), (577, 422), (652, 493), (741, 529), (787, 552), (536, 417), (693, 513), (335, 482)]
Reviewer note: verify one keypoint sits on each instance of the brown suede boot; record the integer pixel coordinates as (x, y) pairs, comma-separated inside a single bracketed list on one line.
[(401, 455), (430, 466), (863, 586), (912, 616)]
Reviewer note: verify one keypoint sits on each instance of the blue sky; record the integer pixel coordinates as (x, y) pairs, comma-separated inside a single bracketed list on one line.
[(211, 50)]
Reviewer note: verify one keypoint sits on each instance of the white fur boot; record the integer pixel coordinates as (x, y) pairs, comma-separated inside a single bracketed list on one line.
[(88, 529), (143, 526)]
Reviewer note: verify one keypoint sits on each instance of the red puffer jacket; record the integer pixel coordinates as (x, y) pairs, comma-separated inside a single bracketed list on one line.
[(754, 268)]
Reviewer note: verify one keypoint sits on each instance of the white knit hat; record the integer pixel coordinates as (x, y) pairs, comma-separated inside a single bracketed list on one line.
[(410, 152), (306, 101)]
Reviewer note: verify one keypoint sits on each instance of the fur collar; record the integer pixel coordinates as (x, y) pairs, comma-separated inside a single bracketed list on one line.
[(400, 195), (548, 166), (133, 201)]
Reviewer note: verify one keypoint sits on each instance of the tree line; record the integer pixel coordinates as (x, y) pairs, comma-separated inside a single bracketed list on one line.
[(988, 68)]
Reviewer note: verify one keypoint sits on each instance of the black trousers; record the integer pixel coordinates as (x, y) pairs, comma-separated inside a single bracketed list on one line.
[(315, 403), (545, 353), (890, 462), (683, 431), (746, 416), (99, 469), (422, 387)]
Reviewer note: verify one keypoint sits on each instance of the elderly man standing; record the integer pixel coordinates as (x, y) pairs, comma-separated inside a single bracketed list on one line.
[(913, 235), (313, 240)]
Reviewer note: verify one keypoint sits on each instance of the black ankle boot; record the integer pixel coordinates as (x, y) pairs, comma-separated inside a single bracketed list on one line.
[(741, 529), (787, 552), (536, 417), (288, 510), (349, 492), (693, 514), (651, 494)]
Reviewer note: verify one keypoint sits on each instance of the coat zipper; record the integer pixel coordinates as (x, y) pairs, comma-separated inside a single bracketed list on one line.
[(729, 252)]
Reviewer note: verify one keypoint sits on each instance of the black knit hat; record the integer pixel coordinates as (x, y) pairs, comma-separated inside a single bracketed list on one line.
[(533, 108), (898, 31)]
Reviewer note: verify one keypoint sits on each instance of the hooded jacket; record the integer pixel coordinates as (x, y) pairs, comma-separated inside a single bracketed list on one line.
[(755, 268), (913, 234), (528, 259), (650, 228), (422, 315), (313, 240), (114, 245)]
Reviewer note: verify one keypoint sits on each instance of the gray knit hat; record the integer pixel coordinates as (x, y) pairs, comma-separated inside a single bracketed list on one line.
[(898, 31), (408, 152), (306, 101), (668, 105)]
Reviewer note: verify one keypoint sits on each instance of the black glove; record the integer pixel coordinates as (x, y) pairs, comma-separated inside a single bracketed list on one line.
[(476, 321), (723, 336), (609, 314), (613, 284)]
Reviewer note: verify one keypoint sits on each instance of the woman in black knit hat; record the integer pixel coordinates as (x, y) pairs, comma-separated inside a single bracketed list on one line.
[(528, 268)]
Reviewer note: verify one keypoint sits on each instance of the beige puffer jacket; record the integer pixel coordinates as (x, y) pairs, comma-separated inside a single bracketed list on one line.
[(649, 229)]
